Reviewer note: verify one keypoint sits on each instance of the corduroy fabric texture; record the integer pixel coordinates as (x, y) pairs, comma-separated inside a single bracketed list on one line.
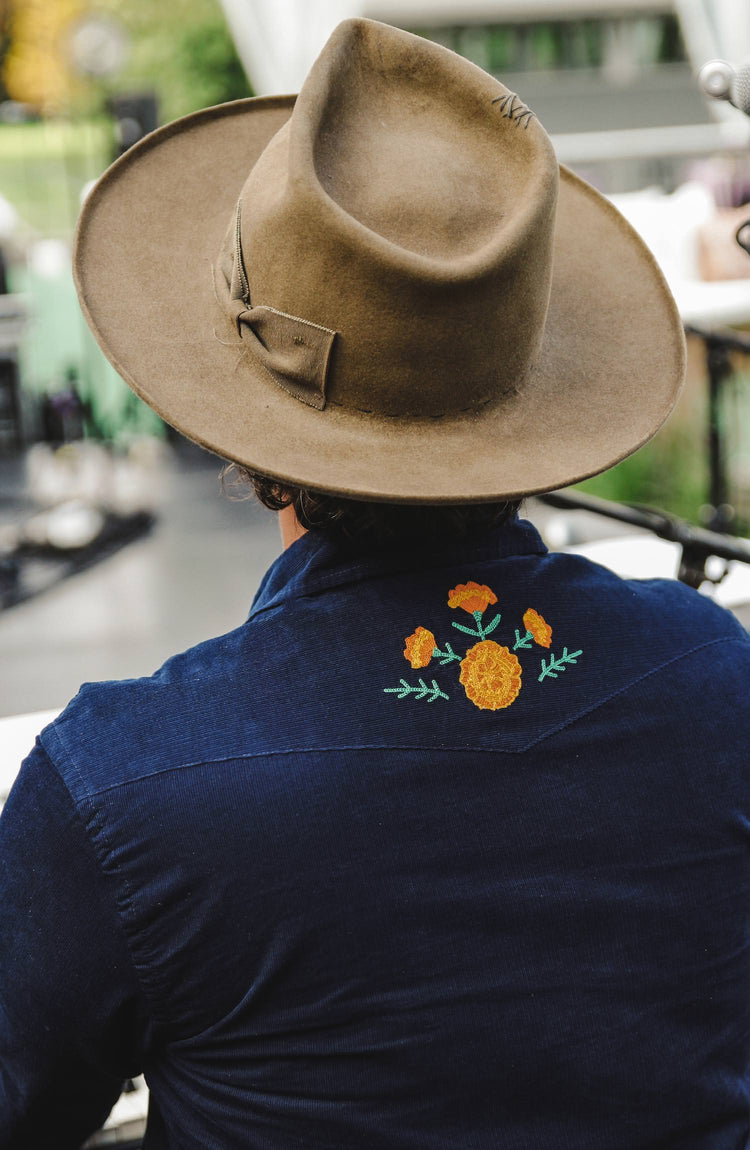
[(321, 910), (387, 288)]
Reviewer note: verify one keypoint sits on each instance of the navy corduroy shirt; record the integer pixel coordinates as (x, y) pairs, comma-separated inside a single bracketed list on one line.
[(444, 847)]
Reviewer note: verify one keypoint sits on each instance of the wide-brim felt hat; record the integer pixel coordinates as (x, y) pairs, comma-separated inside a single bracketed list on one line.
[(386, 288)]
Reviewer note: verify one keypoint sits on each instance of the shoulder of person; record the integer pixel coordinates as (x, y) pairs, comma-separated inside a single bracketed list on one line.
[(115, 732), (667, 604), (672, 599)]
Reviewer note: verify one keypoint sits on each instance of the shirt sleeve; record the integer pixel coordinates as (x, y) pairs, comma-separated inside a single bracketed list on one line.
[(72, 1020)]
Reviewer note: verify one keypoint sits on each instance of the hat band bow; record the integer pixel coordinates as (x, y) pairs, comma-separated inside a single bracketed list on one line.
[(294, 352)]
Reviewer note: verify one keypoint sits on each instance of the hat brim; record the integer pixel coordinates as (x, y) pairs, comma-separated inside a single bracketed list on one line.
[(608, 373)]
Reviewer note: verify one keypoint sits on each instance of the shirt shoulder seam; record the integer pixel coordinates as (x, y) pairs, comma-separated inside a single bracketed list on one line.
[(571, 719), (277, 752)]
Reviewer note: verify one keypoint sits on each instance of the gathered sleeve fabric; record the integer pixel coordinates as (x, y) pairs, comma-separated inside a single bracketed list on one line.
[(73, 1023)]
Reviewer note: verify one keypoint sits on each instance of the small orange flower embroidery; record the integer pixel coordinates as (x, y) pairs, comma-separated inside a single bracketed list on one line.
[(419, 647), (471, 597), (538, 627), (491, 675)]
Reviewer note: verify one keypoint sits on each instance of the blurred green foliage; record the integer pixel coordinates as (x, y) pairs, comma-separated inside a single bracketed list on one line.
[(208, 61), (670, 472), (182, 49)]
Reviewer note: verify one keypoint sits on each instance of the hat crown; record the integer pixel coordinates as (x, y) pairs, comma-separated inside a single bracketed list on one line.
[(379, 321), (403, 208)]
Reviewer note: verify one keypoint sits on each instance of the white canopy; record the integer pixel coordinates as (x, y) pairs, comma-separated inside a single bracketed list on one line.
[(278, 40)]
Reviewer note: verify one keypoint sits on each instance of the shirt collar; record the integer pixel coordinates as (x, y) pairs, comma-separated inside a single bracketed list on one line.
[(315, 563)]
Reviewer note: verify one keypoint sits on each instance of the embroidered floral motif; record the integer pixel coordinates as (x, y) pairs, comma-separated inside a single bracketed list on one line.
[(420, 647), (537, 626), (490, 675), (471, 597), (474, 598)]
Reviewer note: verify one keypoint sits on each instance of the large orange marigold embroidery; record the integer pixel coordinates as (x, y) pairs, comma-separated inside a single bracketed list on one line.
[(471, 597), (538, 627), (419, 647), (491, 675)]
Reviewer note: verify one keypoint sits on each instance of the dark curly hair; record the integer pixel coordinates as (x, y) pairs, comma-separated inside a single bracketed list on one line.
[(352, 519)]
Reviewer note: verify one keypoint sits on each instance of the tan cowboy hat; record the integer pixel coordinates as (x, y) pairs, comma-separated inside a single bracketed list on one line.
[(388, 289)]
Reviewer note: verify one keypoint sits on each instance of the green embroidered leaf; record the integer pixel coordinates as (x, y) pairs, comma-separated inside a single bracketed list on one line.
[(420, 692), (446, 656), (401, 691), (436, 693), (523, 642), (555, 665)]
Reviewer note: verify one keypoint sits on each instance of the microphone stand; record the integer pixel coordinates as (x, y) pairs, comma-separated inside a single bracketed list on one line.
[(697, 543)]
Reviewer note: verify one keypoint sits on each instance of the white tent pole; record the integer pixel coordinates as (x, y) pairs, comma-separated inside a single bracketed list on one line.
[(699, 29), (733, 26), (715, 29), (253, 49), (278, 40)]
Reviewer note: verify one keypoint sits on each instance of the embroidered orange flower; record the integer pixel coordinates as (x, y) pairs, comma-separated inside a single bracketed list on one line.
[(471, 597), (419, 647), (491, 675), (538, 627)]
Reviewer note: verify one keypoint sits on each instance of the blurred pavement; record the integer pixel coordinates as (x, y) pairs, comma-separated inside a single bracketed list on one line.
[(192, 577)]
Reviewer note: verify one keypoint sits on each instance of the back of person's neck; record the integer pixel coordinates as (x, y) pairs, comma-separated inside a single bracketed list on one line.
[(290, 526)]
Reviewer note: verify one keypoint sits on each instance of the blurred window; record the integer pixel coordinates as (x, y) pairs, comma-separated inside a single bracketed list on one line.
[(610, 44)]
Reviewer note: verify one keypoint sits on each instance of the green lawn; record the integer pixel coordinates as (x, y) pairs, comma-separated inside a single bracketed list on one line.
[(44, 166)]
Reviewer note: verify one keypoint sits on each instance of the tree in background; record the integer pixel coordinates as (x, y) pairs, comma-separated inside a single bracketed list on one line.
[(182, 49), (35, 68), (207, 59)]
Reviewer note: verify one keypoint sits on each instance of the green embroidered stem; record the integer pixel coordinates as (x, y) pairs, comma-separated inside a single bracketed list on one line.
[(420, 692), (556, 665), (488, 630), (481, 631), (446, 656), (522, 642)]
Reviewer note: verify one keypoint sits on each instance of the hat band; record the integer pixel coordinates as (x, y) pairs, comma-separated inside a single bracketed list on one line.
[(294, 353)]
